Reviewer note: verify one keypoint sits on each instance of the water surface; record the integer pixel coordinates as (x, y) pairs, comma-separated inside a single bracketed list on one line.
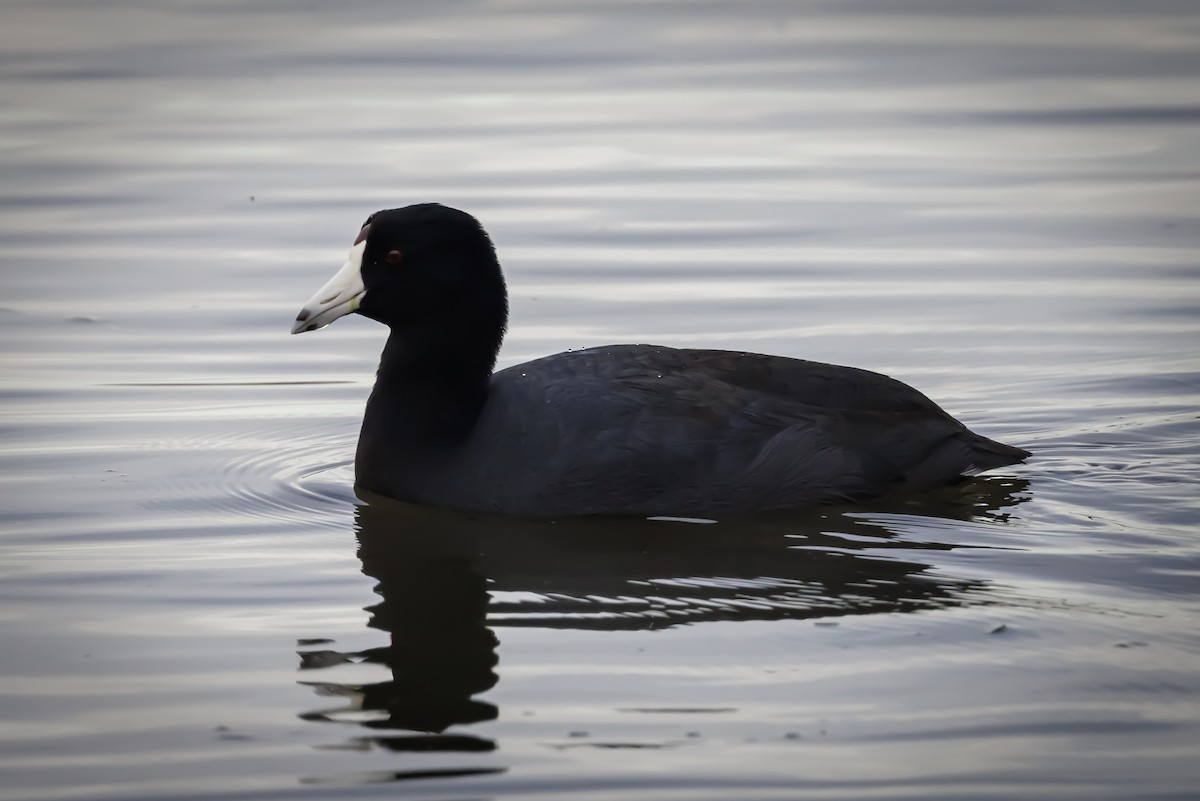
[(997, 203)]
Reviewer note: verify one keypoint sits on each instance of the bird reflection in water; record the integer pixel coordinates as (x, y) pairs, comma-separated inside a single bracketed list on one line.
[(448, 581)]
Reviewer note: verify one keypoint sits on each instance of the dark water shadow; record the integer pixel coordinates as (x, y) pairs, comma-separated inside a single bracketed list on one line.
[(447, 582)]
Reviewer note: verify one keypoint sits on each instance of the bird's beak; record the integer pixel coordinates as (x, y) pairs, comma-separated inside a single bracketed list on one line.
[(341, 296)]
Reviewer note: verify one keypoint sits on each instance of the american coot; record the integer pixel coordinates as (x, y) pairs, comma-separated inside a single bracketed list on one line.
[(613, 430)]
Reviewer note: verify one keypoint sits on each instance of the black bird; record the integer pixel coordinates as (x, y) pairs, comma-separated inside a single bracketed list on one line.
[(613, 430)]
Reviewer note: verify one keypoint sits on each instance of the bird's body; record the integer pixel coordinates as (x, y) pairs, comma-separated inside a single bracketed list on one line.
[(621, 429), (646, 430)]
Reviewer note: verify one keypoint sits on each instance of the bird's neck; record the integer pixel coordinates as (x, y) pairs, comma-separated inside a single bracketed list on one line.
[(427, 392)]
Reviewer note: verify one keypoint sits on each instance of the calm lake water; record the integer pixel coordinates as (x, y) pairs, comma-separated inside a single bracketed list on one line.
[(998, 203)]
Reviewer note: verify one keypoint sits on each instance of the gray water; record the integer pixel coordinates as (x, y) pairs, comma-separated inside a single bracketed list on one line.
[(998, 203)]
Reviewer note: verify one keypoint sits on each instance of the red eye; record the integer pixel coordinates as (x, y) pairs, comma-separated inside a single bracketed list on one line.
[(395, 257)]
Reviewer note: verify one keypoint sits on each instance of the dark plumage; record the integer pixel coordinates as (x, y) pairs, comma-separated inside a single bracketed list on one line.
[(621, 429)]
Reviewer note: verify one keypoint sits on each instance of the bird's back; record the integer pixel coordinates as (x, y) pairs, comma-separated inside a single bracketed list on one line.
[(642, 429)]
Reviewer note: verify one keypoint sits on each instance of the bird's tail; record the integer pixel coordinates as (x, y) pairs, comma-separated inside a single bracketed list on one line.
[(986, 454)]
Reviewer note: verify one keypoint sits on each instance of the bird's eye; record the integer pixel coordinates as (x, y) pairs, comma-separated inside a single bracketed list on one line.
[(394, 257)]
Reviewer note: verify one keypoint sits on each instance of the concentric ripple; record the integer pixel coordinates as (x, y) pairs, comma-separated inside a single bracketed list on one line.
[(300, 474)]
